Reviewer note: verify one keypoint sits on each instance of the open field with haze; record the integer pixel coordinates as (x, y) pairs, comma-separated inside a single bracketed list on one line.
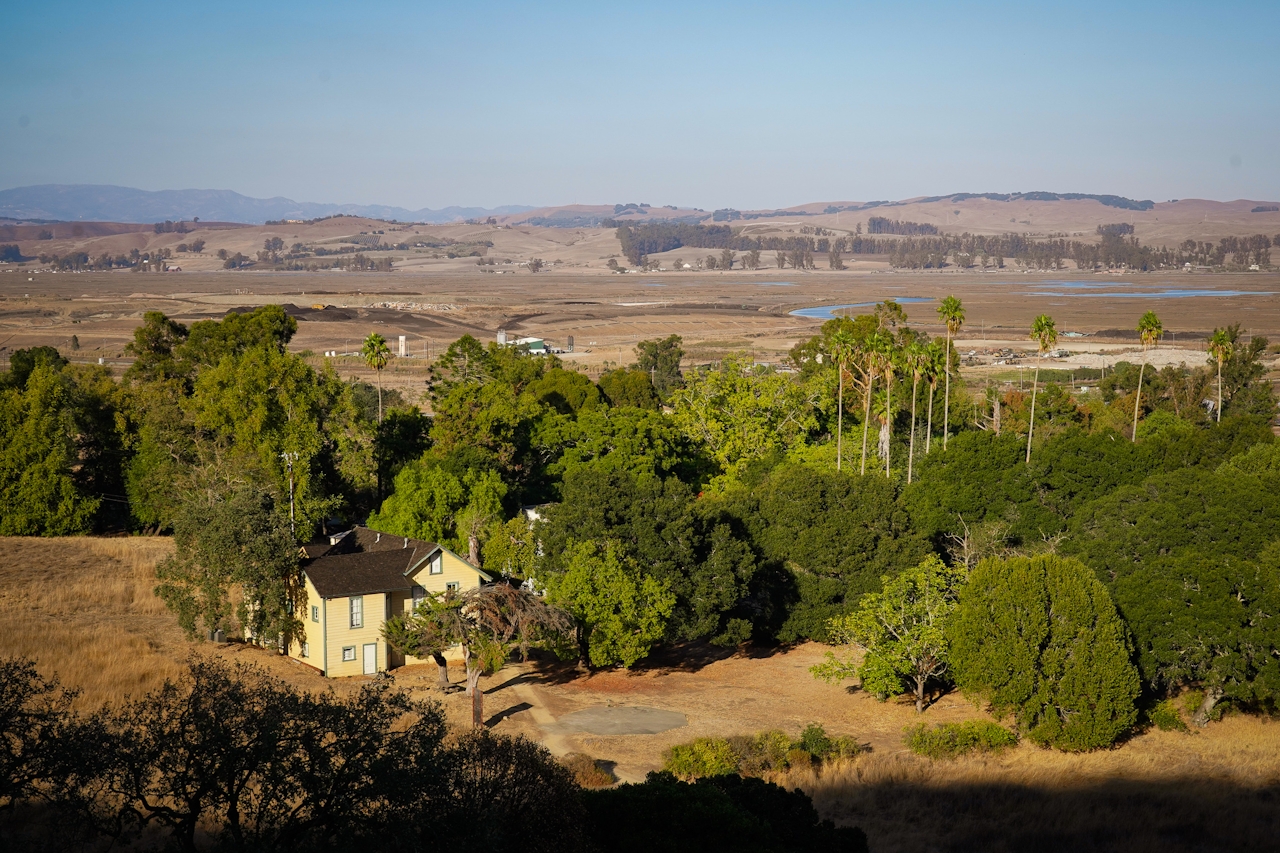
[(715, 312)]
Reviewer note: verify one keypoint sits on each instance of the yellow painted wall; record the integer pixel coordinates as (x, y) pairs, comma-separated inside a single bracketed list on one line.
[(312, 632), (342, 634)]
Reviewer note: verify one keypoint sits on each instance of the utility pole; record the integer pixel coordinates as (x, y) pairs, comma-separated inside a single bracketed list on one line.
[(289, 459)]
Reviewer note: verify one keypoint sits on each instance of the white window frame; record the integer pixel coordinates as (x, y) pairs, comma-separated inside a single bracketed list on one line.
[(304, 650), (315, 613), (355, 608), (418, 595), (348, 654), (436, 565), (453, 586)]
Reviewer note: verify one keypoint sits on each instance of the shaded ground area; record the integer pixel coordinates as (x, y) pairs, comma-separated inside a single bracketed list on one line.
[(619, 720)]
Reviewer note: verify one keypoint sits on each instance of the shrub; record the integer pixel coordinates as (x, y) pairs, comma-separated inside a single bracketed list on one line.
[(755, 755), (951, 740), (587, 771), (814, 741), (1040, 639), (1166, 717), (705, 756)]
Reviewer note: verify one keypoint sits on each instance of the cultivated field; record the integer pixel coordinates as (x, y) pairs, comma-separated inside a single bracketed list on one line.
[(83, 608)]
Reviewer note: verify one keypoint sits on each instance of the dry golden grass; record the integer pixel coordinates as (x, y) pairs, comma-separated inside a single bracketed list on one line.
[(85, 611), (1162, 791)]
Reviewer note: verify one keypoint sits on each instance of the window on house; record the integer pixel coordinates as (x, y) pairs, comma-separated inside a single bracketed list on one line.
[(357, 612), (348, 653), (419, 595), (437, 565), (315, 613), (451, 586), (304, 651)]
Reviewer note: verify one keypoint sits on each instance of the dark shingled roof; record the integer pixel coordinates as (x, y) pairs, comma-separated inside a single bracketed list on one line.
[(364, 561)]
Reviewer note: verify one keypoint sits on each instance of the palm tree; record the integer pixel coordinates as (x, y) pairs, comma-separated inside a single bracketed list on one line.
[(843, 346), (1149, 330), (951, 312), (916, 359), (890, 355), (376, 353), (877, 350), (935, 372), (870, 368), (1045, 333), (1221, 345)]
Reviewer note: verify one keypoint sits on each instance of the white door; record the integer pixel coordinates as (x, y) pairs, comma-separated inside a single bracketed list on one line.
[(370, 658)]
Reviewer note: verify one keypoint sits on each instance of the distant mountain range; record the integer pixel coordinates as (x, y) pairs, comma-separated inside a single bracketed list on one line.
[(104, 203)]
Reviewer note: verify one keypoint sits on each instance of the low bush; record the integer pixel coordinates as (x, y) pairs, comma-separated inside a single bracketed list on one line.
[(587, 771), (755, 755), (1166, 717), (951, 740), (705, 756)]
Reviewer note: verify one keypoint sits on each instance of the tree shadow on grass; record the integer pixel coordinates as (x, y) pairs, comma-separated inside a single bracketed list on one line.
[(1130, 815), (676, 657)]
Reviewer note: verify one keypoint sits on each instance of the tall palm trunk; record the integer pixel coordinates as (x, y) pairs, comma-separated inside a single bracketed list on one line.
[(840, 419), (946, 395), (866, 422), (928, 436), (911, 447), (1137, 404), (379, 372), (888, 419), (1219, 390), (1035, 385)]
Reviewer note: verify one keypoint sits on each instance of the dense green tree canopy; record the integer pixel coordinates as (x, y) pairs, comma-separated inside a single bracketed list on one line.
[(1040, 639)]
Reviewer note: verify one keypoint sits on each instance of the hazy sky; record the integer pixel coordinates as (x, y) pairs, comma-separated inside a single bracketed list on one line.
[(739, 104)]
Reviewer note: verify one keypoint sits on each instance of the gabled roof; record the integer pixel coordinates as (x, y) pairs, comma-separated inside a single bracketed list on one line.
[(360, 573), (361, 561)]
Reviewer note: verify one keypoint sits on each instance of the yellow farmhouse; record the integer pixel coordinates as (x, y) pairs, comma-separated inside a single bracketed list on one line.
[(355, 582)]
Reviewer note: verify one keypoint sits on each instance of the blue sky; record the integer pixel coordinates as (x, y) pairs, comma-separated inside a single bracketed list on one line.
[(744, 104)]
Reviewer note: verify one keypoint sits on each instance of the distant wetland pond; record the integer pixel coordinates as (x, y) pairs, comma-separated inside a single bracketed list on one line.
[(829, 312), (1109, 290)]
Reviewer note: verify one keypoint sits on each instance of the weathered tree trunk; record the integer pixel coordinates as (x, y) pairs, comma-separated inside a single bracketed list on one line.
[(946, 395), (928, 436), (1219, 390), (476, 694), (840, 419), (1212, 696), (1035, 386), (473, 549), (888, 420), (1137, 404), (911, 449), (920, 694), (866, 418), (442, 670)]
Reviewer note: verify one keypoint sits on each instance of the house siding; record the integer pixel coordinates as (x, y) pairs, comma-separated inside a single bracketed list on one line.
[(454, 569), (312, 632), (341, 634)]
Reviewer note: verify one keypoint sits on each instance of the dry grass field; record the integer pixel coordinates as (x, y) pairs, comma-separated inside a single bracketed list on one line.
[(716, 313), (83, 608)]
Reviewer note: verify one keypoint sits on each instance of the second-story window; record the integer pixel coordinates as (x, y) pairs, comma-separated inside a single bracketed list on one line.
[(357, 611)]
